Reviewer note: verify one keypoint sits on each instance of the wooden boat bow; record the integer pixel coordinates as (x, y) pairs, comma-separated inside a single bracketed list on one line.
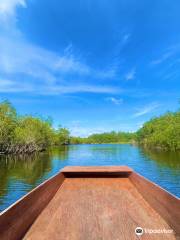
[(90, 203)]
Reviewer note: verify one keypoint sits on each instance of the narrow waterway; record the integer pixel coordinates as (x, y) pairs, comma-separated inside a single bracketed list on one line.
[(20, 174)]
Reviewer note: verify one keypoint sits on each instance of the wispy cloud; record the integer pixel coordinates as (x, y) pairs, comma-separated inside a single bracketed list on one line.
[(146, 109), (35, 69), (116, 101), (170, 52), (8, 8), (8, 86), (131, 74), (70, 64), (85, 131), (43, 67), (19, 56), (163, 58), (80, 128), (79, 88)]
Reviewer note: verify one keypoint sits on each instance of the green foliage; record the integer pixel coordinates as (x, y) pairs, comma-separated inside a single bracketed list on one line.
[(161, 132), (32, 130), (107, 137), (8, 121), (77, 140), (27, 134), (62, 136)]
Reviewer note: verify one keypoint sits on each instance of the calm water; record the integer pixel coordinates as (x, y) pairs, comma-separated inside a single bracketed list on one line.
[(18, 175)]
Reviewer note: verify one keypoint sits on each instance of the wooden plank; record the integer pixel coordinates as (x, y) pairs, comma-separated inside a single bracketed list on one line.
[(97, 171), (15, 220), (167, 205), (97, 209)]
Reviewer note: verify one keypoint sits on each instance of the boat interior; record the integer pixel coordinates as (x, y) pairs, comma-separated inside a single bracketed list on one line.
[(93, 203)]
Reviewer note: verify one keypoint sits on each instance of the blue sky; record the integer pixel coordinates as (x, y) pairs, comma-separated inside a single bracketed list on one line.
[(92, 66)]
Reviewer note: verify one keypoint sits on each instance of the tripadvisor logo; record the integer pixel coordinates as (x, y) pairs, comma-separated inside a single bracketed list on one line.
[(139, 231)]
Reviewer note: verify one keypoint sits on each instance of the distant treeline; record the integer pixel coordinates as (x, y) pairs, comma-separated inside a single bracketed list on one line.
[(161, 133), (107, 137), (26, 134)]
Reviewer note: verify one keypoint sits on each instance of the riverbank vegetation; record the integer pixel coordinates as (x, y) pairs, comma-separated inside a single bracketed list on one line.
[(27, 134), (161, 132)]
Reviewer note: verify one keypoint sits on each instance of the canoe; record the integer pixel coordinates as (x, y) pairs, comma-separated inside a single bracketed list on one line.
[(93, 203)]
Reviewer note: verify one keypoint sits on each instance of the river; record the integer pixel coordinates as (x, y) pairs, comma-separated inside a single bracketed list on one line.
[(20, 174)]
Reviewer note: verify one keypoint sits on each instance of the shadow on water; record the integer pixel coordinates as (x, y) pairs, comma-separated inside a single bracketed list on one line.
[(60, 153), (27, 168), (21, 169), (21, 173), (163, 159)]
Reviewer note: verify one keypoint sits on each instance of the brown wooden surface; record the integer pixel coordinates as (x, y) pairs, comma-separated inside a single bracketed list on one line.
[(97, 209), (167, 205), (92, 203), (97, 171), (15, 221)]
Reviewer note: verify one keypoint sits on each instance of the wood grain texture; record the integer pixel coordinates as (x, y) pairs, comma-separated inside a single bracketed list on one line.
[(97, 171), (97, 209), (167, 205), (15, 221), (92, 203)]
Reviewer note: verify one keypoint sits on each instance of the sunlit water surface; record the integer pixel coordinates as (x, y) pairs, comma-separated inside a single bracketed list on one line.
[(20, 174)]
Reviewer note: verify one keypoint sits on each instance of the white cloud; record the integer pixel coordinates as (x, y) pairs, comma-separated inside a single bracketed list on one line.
[(8, 8), (9, 86), (85, 131), (170, 51), (131, 74), (114, 100), (5, 83), (83, 128), (163, 58), (19, 56), (147, 109), (70, 64), (51, 89), (39, 68), (31, 68), (63, 89)]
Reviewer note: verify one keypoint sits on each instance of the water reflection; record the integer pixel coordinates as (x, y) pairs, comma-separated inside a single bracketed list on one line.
[(59, 152), (26, 168), (19, 174), (164, 159)]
